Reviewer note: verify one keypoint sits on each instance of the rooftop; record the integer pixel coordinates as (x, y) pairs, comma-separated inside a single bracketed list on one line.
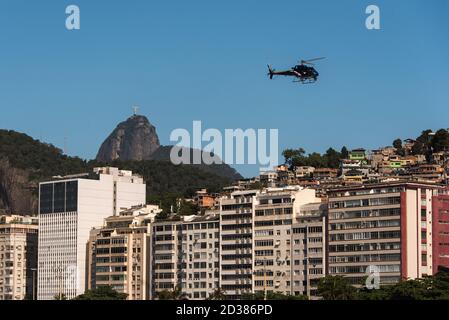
[(18, 219), (389, 184)]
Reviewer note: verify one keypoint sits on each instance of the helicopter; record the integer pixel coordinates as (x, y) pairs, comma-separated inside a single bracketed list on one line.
[(304, 72)]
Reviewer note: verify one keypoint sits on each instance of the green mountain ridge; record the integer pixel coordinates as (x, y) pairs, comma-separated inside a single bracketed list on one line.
[(24, 162)]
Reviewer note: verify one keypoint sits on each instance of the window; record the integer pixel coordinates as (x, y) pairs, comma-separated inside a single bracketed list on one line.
[(263, 243), (102, 251), (118, 250), (261, 233)]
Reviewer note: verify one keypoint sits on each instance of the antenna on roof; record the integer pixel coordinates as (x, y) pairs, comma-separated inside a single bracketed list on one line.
[(135, 110)]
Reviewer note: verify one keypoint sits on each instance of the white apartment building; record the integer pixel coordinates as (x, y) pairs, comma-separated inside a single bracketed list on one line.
[(309, 248), (270, 240), (186, 256), (68, 208), (236, 248)]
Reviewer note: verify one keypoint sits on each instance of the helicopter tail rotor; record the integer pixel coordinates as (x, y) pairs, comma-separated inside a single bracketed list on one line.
[(270, 71)]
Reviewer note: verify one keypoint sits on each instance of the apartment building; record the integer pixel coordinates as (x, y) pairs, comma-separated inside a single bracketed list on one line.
[(166, 241), (304, 171), (275, 209), (268, 178), (288, 241), (204, 200), (18, 257), (308, 248), (68, 208), (119, 253), (186, 256), (325, 173), (440, 231), (236, 250), (398, 228), (200, 256)]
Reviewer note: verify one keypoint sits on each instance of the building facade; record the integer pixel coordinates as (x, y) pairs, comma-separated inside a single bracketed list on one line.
[(393, 228), (186, 256), (288, 241), (236, 243), (309, 248), (18, 257), (263, 245), (68, 208), (119, 253), (440, 231)]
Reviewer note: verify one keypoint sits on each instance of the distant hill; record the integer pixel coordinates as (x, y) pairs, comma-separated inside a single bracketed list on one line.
[(136, 139), (222, 170), (25, 161), (133, 139)]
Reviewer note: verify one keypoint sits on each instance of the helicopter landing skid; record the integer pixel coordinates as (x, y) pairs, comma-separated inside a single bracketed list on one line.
[(305, 81)]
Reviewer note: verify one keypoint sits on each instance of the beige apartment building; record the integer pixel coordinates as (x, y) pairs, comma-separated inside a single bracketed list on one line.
[(280, 246), (395, 228), (119, 253), (186, 256), (18, 257)]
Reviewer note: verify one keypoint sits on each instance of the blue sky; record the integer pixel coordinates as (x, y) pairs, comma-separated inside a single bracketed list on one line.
[(206, 60)]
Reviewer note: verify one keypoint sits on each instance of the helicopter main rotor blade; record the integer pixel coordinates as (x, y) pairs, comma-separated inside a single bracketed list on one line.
[(314, 59), (306, 62)]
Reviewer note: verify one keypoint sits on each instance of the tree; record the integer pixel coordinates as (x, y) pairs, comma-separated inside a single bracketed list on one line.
[(257, 185), (423, 144), (415, 289), (440, 284), (373, 294), (253, 296), (281, 296), (218, 294), (397, 143), (175, 294), (332, 158), (293, 157), (418, 148), (60, 297), (440, 141), (102, 293), (335, 288), (188, 208), (428, 288), (164, 295), (296, 157), (270, 295), (344, 152), (315, 160)]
